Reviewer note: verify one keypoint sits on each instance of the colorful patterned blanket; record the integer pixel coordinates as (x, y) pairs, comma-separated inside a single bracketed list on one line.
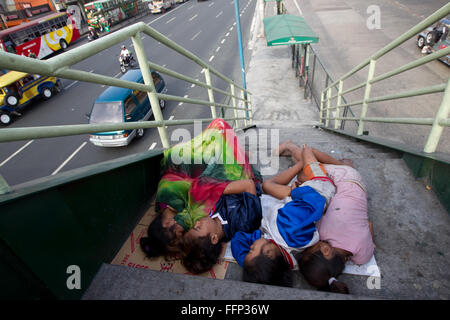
[(195, 173)]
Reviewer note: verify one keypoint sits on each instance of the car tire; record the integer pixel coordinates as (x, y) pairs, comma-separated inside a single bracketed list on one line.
[(11, 99), (420, 42), (5, 118), (46, 93), (63, 45), (139, 133), (162, 104), (431, 37)]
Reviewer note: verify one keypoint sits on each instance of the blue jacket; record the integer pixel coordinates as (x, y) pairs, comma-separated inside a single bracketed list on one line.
[(292, 226), (239, 212)]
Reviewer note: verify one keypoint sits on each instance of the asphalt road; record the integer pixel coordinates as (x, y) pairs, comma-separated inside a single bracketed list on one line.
[(207, 29)]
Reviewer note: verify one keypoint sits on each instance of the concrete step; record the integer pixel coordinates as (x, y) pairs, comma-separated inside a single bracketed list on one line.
[(114, 282)]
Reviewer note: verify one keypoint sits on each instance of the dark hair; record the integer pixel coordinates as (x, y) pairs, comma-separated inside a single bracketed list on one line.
[(160, 241), (317, 270), (264, 270), (199, 254)]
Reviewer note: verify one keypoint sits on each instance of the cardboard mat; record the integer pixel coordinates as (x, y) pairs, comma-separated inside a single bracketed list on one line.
[(131, 254)]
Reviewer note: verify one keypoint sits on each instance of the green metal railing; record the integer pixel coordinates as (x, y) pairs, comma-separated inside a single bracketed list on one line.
[(59, 66), (441, 118)]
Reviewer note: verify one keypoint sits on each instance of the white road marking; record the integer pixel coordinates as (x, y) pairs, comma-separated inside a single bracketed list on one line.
[(227, 34), (173, 10), (70, 85), (69, 158), (218, 48), (211, 4), (193, 17), (298, 7), (231, 28), (220, 13), (196, 35), (211, 58), (152, 146), (190, 7), (168, 21), (15, 153), (223, 40)]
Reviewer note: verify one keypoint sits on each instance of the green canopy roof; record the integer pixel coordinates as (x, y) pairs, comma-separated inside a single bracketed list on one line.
[(286, 29)]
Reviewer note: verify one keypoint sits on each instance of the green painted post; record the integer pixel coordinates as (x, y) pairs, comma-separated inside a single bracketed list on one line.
[(437, 129), (233, 100), (210, 92), (327, 120), (249, 96), (4, 187), (322, 100), (339, 99), (243, 97), (148, 80), (366, 97)]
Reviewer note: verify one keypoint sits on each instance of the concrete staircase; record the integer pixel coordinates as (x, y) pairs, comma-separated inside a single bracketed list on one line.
[(410, 225)]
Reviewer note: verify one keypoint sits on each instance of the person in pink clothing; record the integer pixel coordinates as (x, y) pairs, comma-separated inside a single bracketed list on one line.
[(345, 231)]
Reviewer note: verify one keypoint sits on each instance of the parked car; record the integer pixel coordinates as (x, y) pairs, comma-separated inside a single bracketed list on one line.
[(180, 1), (161, 6), (123, 105), (18, 89), (436, 38)]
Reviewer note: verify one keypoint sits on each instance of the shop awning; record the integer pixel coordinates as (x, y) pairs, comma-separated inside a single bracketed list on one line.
[(286, 29)]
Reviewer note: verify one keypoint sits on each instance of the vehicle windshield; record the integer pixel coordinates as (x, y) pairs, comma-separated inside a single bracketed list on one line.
[(107, 112)]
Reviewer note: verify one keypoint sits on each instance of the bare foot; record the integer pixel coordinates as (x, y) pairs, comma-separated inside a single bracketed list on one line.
[(347, 162), (283, 149)]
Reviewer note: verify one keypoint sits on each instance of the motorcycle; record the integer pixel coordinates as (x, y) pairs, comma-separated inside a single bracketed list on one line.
[(127, 62), (92, 35)]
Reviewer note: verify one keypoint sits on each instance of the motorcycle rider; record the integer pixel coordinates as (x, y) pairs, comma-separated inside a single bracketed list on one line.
[(124, 54)]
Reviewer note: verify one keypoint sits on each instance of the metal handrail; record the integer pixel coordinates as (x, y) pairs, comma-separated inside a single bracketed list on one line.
[(59, 66), (437, 123)]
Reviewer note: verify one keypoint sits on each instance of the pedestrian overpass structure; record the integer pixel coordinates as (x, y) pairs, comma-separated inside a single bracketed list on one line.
[(54, 222)]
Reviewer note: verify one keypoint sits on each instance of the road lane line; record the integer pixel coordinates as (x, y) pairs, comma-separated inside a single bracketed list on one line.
[(15, 153), (211, 58), (193, 17), (152, 146), (211, 4), (190, 7), (227, 34), (223, 40), (69, 158), (218, 48), (220, 13), (70, 85), (196, 35), (171, 20), (173, 10), (170, 118)]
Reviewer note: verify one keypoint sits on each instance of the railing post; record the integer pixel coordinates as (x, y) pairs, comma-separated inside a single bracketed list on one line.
[(311, 83), (250, 108), (366, 97), (210, 92), (233, 100), (322, 101), (327, 120), (148, 80), (436, 130), (338, 104), (245, 103)]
